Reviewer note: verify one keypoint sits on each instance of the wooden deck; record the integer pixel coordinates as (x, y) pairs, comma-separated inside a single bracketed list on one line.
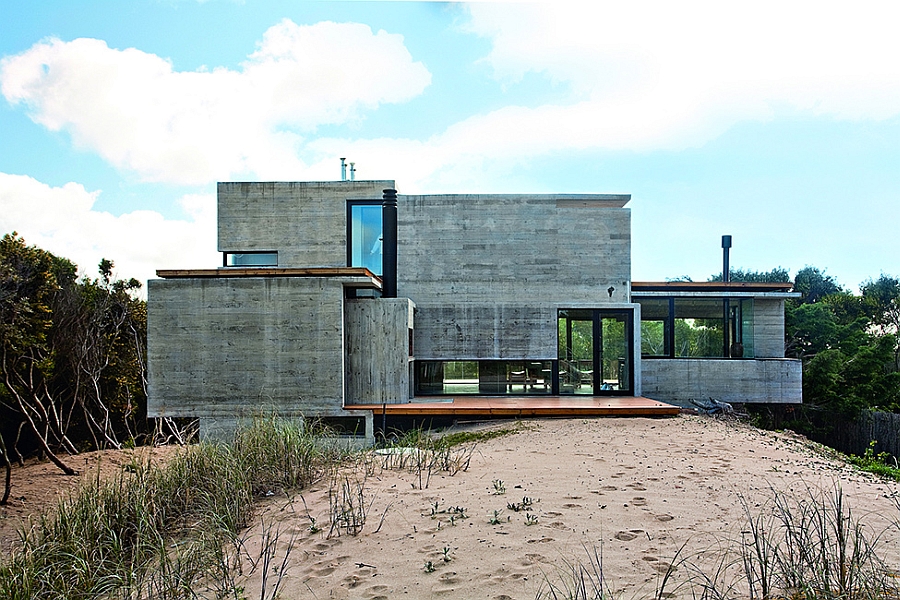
[(525, 406)]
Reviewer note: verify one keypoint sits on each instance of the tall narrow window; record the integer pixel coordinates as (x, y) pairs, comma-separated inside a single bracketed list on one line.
[(364, 235)]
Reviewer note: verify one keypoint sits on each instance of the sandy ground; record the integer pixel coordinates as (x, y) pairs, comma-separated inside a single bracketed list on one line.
[(632, 490)]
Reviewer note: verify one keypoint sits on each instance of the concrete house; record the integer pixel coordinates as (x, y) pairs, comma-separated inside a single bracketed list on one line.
[(334, 297)]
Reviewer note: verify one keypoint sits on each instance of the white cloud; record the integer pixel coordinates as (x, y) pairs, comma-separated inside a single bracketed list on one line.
[(137, 112), (648, 75), (639, 76), (62, 220)]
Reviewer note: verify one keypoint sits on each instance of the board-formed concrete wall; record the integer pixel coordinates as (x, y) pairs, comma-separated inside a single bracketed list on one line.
[(768, 327), (377, 350), (305, 222), (680, 380), (488, 272), (230, 347)]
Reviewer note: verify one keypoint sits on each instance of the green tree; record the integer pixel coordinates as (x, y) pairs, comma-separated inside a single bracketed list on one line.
[(881, 298), (814, 285), (72, 355), (776, 275), (29, 280)]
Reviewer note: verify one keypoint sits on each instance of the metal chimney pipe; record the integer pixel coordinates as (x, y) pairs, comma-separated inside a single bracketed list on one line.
[(726, 269), (343, 169), (353, 171), (389, 243)]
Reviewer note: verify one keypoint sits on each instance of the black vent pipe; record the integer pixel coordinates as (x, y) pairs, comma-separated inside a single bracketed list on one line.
[(389, 244), (726, 269)]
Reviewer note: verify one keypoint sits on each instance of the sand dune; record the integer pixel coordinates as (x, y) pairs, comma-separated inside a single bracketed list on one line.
[(633, 491)]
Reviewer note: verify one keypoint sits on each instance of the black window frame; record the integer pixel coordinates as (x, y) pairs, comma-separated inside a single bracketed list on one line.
[(225, 256)]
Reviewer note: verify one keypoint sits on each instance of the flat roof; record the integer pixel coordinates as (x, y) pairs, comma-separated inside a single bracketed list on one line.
[(360, 277), (709, 286)]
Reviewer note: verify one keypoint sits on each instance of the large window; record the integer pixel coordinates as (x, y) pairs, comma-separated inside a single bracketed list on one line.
[(485, 377), (694, 327), (364, 235)]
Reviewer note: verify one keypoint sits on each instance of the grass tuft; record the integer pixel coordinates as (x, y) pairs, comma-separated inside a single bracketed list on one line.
[(164, 531)]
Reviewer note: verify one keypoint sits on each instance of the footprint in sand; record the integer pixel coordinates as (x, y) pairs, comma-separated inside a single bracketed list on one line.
[(323, 571), (449, 578), (542, 540), (559, 525), (627, 536), (570, 505), (552, 513), (608, 488), (639, 501), (638, 487), (377, 592), (530, 559), (663, 567), (664, 518)]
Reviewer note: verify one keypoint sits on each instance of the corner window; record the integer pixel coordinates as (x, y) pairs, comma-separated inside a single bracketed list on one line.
[(364, 235), (677, 327), (250, 259)]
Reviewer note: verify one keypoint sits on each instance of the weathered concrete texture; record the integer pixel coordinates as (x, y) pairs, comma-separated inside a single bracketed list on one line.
[(305, 222), (680, 380), (377, 350), (229, 347), (768, 327), (487, 272)]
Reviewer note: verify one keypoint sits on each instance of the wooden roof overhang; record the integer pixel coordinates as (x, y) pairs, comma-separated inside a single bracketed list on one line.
[(713, 289), (355, 277)]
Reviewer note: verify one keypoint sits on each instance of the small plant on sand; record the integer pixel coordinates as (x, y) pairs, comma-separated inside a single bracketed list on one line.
[(525, 504), (424, 455), (531, 519), (496, 520), (429, 566), (347, 500), (313, 528), (880, 464), (445, 554), (499, 487)]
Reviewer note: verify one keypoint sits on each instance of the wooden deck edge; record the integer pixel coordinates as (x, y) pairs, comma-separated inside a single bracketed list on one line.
[(504, 407)]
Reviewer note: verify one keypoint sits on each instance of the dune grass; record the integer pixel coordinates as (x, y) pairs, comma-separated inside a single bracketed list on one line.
[(796, 547), (163, 531)]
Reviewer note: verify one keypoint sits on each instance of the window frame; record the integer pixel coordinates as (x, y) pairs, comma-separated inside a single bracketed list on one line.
[(226, 255), (349, 218)]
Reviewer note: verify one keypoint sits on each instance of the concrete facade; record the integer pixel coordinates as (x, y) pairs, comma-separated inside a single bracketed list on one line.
[(680, 380), (304, 222), (230, 347), (488, 273), (768, 327), (480, 278), (377, 350)]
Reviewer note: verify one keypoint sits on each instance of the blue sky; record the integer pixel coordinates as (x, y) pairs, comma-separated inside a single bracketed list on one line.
[(776, 123)]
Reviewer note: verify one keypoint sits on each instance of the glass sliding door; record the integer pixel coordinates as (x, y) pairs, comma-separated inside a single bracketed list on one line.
[(595, 351), (615, 353), (576, 351)]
